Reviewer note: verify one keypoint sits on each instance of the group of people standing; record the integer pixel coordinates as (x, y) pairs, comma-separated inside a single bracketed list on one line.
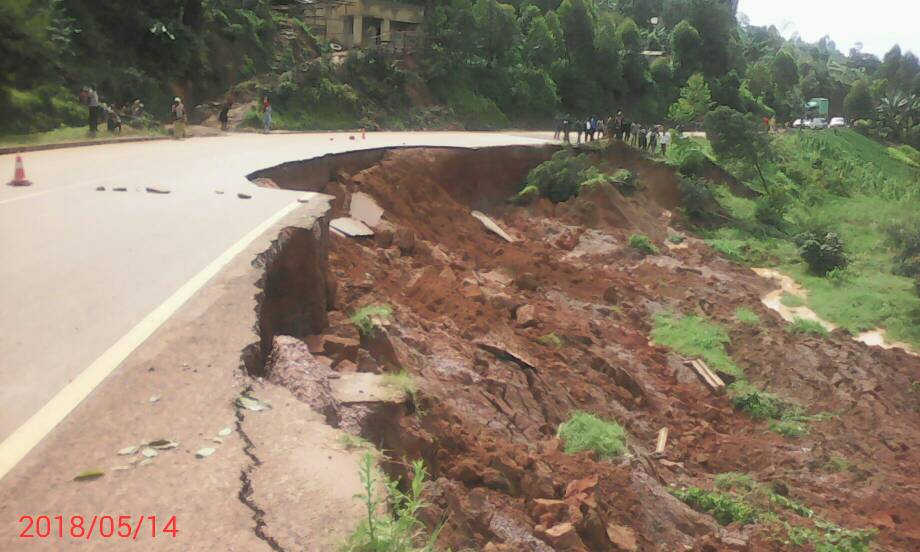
[(645, 137)]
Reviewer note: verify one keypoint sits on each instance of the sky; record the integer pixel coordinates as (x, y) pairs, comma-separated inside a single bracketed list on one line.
[(878, 24)]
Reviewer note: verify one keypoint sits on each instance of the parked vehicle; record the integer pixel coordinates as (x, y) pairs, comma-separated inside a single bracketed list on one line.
[(837, 122), (797, 123), (818, 123)]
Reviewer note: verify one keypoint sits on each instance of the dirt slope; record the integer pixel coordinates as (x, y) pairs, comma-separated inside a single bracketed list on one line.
[(469, 312)]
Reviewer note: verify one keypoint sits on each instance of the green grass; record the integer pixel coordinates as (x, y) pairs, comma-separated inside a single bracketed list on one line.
[(762, 405), (551, 340), (808, 327), (792, 301), (584, 431), (747, 316), (641, 243), (853, 186), (367, 318), (789, 428), (740, 499), (70, 134), (695, 336)]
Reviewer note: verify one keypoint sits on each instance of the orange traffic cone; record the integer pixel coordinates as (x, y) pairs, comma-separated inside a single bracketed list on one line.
[(19, 175)]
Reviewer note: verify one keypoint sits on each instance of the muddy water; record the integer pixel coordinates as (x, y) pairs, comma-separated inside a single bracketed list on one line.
[(773, 300)]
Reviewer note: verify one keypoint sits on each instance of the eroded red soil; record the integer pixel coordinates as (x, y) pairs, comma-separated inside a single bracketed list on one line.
[(469, 310)]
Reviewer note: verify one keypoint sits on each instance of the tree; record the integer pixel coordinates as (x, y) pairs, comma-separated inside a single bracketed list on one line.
[(890, 65), (785, 72), (760, 79), (540, 46), (497, 29), (578, 20), (607, 48), (628, 33), (735, 136), (858, 103), (694, 103), (686, 46)]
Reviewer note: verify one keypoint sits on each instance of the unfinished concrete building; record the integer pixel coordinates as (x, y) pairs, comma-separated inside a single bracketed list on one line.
[(362, 23)]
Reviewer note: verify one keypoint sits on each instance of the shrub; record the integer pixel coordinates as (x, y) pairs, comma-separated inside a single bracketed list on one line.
[(561, 177), (696, 196), (770, 209), (761, 405), (396, 532), (367, 318), (550, 340), (905, 237), (822, 251), (625, 181), (585, 431), (641, 243), (692, 162), (808, 327), (747, 316), (789, 428), (724, 507)]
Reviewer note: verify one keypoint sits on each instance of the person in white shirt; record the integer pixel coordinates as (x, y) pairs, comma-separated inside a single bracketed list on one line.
[(665, 142)]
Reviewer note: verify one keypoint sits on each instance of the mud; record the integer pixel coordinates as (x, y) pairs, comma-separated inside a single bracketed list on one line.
[(469, 312)]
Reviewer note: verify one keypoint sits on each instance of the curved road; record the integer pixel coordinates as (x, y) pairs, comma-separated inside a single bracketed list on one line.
[(80, 268)]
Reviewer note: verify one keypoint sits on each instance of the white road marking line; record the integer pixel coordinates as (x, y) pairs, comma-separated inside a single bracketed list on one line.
[(15, 447)]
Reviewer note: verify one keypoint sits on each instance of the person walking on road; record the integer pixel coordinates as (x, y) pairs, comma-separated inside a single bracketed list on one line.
[(179, 118), (267, 115), (665, 142), (653, 138), (642, 141), (579, 129), (92, 104), (557, 127), (566, 128), (224, 115)]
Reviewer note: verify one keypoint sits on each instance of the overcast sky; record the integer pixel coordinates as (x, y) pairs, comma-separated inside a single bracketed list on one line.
[(878, 24)]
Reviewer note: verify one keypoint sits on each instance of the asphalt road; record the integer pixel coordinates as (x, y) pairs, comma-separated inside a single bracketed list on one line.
[(79, 268)]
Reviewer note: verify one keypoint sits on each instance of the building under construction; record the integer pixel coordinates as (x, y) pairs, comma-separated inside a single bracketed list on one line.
[(357, 23)]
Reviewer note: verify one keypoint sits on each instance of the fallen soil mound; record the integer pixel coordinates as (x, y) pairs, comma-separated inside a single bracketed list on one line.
[(504, 341)]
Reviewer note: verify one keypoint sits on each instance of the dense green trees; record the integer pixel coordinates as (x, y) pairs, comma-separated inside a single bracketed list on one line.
[(491, 61), (735, 136)]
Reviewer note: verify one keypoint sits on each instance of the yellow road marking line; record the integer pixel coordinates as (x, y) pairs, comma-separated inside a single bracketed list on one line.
[(15, 447)]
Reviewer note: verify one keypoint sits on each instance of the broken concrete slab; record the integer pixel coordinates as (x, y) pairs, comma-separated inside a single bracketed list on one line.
[(351, 227), (363, 387), (492, 226), (365, 209)]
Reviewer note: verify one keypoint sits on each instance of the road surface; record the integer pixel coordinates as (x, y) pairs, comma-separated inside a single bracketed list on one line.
[(81, 268)]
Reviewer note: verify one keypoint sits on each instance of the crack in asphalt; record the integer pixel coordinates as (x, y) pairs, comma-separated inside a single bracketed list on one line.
[(246, 489)]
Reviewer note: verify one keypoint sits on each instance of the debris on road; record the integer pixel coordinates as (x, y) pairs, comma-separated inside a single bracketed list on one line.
[(252, 403), (120, 189), (365, 209), (100, 188), (157, 190), (205, 452), (707, 375), (89, 475), (241, 195)]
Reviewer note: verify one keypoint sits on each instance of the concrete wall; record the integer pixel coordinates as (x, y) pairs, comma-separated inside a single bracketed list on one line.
[(353, 23)]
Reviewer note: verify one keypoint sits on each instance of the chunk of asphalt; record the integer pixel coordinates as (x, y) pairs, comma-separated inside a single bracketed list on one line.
[(241, 195), (120, 189), (365, 209), (156, 190), (100, 188), (351, 227)]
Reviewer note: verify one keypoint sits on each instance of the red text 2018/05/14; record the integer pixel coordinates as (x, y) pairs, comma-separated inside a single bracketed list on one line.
[(78, 527)]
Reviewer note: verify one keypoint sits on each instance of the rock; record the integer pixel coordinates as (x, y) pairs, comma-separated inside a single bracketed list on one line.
[(157, 190), (340, 348), (346, 367), (612, 295), (527, 282), (448, 274), (548, 511), (466, 470), (473, 293), (366, 362), (291, 366), (100, 188), (405, 240), (564, 537), (495, 479), (120, 189), (384, 238), (622, 537), (439, 256), (567, 241), (241, 195), (525, 316)]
